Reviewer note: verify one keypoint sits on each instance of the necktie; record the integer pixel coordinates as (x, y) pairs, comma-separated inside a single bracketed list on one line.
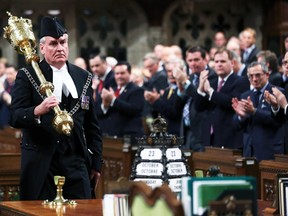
[(245, 55), (256, 96), (117, 92), (196, 81), (100, 86), (186, 112), (220, 85), (170, 92)]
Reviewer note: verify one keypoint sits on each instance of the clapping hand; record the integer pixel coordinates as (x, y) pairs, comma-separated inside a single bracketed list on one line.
[(151, 96), (276, 99), (204, 84), (107, 96), (243, 107)]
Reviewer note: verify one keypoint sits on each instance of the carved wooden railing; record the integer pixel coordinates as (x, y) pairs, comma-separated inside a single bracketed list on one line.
[(118, 157), (269, 170), (230, 162)]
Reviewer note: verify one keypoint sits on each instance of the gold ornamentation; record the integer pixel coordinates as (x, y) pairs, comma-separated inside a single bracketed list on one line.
[(59, 199), (20, 35)]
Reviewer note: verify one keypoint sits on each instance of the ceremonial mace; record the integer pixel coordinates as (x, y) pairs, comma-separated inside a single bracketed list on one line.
[(20, 35)]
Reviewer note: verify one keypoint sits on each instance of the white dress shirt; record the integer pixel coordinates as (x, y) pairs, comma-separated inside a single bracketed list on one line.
[(62, 81)]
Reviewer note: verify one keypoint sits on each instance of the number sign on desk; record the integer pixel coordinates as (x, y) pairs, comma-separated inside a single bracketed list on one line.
[(151, 154), (151, 182), (176, 169), (149, 169), (173, 154), (175, 184)]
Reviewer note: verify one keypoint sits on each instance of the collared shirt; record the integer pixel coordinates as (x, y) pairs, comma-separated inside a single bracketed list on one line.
[(106, 73), (62, 81), (212, 90), (248, 52)]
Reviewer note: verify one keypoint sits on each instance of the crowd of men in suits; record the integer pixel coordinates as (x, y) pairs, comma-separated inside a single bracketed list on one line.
[(216, 100)]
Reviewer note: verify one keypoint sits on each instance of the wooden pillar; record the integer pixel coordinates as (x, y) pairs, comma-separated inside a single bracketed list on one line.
[(275, 25)]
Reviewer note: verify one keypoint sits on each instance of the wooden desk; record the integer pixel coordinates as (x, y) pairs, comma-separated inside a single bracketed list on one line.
[(21, 208), (83, 207)]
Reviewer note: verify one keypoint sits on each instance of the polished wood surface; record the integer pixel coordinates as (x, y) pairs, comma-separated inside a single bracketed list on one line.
[(20, 208)]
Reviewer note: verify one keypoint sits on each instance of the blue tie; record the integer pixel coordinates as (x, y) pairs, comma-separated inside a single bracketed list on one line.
[(196, 81), (256, 96), (186, 112)]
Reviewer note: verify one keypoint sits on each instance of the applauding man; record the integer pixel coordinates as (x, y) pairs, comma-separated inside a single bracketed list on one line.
[(123, 105)]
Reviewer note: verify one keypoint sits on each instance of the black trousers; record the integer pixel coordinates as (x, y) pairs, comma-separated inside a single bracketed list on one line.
[(77, 182)]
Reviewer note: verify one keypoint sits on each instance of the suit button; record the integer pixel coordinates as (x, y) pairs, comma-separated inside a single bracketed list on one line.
[(58, 141), (26, 144), (25, 117)]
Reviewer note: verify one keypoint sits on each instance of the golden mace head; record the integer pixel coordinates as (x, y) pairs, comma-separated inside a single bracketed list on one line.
[(20, 35)]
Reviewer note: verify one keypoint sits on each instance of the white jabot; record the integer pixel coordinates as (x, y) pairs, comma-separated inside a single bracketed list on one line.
[(62, 81)]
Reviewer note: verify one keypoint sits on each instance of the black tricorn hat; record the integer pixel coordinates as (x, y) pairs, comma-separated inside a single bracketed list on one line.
[(51, 27)]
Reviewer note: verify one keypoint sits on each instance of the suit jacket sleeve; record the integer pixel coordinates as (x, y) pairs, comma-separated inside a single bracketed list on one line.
[(133, 105), (22, 106)]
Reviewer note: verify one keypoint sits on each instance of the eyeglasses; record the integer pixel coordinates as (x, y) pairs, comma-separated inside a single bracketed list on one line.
[(284, 62), (258, 75)]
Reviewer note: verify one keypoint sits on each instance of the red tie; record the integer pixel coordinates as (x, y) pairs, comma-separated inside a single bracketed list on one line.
[(100, 86), (220, 85), (117, 92)]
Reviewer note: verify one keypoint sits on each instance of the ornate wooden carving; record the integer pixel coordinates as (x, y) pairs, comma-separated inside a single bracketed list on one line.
[(269, 170)]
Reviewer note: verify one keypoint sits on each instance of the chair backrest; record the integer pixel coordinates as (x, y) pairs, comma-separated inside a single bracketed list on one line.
[(121, 186), (143, 201), (199, 173)]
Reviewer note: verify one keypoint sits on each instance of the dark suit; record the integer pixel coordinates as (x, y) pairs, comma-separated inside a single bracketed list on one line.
[(42, 146), (124, 117), (4, 114), (165, 106), (263, 136), (275, 78), (220, 114), (243, 72), (280, 117), (193, 133), (4, 107), (157, 81), (108, 82), (252, 56)]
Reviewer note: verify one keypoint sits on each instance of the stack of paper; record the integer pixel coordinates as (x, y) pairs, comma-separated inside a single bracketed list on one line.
[(115, 205), (282, 179)]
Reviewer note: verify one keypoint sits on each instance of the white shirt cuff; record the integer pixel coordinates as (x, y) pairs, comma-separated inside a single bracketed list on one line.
[(201, 93), (104, 109)]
